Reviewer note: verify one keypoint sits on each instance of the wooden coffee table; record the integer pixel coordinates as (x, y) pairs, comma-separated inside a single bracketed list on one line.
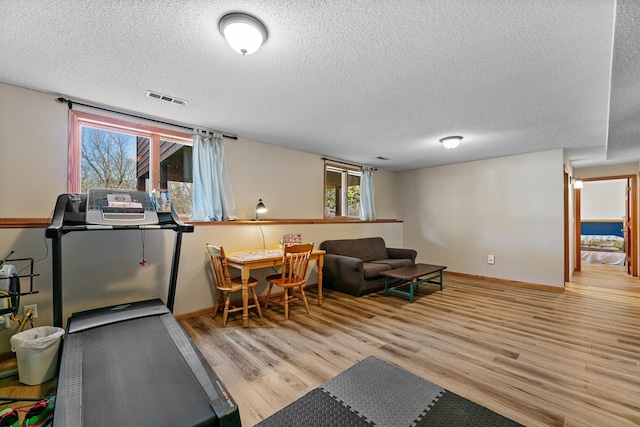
[(415, 275)]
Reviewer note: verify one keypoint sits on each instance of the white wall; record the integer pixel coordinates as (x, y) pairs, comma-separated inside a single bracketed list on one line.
[(604, 171), (289, 182), (33, 152), (603, 200), (510, 207)]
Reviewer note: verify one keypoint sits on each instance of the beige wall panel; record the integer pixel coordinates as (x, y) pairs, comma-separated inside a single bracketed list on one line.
[(509, 207)]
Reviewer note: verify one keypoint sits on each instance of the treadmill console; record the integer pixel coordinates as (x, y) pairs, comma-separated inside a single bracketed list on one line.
[(120, 207)]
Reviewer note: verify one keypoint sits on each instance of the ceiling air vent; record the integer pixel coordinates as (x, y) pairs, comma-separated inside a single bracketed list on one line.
[(171, 99)]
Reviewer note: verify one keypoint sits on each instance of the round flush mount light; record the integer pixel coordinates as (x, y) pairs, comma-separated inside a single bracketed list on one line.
[(451, 142), (244, 33)]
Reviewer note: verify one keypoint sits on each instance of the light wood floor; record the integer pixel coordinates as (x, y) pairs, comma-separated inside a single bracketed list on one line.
[(541, 358)]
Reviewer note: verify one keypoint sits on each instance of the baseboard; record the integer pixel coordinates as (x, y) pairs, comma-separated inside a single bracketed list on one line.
[(194, 313), (236, 302), (446, 273), (508, 282)]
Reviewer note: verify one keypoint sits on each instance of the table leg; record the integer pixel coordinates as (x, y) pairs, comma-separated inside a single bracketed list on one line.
[(245, 297), (411, 289), (320, 264)]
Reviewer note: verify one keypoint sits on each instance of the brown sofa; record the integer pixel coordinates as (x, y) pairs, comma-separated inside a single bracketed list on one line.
[(353, 266)]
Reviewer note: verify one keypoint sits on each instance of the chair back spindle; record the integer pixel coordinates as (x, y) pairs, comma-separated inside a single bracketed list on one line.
[(295, 261), (226, 285), (219, 267)]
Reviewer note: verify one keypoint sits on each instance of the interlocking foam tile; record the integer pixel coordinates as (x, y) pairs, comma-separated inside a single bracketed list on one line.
[(377, 393), (452, 410), (317, 409), (383, 393)]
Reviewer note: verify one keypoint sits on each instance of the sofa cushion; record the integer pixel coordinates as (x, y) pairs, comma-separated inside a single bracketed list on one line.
[(372, 270), (395, 262), (367, 249)]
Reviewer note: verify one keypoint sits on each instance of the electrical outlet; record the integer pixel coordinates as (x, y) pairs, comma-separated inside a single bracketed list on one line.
[(491, 260), (34, 310)]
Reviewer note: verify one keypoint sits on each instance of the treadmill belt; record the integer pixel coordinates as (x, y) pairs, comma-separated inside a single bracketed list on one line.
[(146, 380), (144, 371)]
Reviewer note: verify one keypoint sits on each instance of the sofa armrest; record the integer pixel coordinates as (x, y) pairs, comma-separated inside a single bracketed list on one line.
[(402, 253), (343, 273), (338, 265)]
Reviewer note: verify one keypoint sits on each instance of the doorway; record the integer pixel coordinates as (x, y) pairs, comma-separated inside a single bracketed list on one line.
[(605, 226)]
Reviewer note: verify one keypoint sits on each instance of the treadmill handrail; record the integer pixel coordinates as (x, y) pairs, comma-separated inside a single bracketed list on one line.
[(58, 229), (57, 220)]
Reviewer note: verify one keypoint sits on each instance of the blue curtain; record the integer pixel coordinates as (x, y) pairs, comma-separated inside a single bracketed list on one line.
[(367, 201), (212, 195)]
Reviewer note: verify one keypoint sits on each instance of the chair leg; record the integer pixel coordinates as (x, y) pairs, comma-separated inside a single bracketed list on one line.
[(286, 303), (256, 301), (266, 301), (225, 313), (304, 299), (217, 305)]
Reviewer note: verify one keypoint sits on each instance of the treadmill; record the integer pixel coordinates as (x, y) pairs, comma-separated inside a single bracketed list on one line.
[(131, 364)]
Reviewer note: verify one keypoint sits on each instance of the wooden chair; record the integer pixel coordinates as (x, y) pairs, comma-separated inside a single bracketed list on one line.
[(295, 261), (227, 285)]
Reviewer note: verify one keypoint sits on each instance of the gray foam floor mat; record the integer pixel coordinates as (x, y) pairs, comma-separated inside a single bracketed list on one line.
[(315, 409), (374, 392), (383, 393)]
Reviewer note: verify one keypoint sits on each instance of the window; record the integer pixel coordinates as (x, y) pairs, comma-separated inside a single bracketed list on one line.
[(341, 191), (112, 153)]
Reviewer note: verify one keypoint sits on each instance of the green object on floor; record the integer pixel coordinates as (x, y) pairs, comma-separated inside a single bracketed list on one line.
[(40, 414), (9, 418)]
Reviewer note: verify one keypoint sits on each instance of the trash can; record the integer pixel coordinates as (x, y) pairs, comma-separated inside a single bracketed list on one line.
[(37, 353)]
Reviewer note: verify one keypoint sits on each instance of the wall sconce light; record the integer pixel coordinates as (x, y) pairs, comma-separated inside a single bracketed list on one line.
[(244, 33), (451, 142), (260, 208), (577, 183)]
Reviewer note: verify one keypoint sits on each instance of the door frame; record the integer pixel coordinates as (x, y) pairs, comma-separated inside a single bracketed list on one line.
[(633, 215), (567, 254)]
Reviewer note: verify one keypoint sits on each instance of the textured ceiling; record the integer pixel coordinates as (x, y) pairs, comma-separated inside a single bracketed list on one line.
[(354, 79)]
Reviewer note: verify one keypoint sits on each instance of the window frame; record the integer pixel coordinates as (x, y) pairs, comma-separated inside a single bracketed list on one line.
[(78, 119), (344, 170)]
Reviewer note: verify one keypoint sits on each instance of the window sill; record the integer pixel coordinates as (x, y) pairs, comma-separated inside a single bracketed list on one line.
[(45, 222), (292, 221), (25, 222)]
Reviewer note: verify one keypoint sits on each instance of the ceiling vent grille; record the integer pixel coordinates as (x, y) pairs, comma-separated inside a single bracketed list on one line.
[(167, 98)]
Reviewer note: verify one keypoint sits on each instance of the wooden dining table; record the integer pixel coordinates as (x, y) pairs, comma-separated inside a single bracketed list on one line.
[(248, 260)]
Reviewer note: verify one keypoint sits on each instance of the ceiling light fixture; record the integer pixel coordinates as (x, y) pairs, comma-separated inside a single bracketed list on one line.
[(451, 142), (244, 33)]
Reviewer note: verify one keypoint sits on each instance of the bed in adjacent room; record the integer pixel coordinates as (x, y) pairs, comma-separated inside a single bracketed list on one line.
[(602, 242)]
